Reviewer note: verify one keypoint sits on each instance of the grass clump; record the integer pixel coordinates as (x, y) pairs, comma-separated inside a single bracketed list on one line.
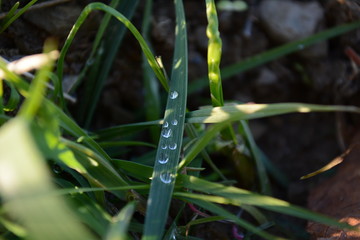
[(93, 194)]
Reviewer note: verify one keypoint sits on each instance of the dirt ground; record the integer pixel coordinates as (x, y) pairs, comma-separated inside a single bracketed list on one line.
[(297, 144)]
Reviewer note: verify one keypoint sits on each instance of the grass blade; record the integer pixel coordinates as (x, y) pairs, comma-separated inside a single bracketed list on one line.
[(151, 86), (214, 54), (118, 229), (238, 197), (104, 55), (6, 24), (224, 115), (172, 133), (225, 214), (275, 53), (24, 179), (100, 6), (254, 111)]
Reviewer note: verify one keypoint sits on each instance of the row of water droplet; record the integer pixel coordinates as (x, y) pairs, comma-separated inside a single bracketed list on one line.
[(166, 134)]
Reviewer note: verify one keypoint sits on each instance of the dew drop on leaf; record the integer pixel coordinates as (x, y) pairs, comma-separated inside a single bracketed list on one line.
[(174, 94), (163, 158), (166, 133), (172, 146), (166, 177)]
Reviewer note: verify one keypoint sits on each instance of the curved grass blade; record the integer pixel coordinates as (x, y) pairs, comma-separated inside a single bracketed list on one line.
[(6, 24), (105, 53), (100, 6), (119, 227), (24, 179), (13, 100), (254, 111), (151, 86), (224, 115), (171, 136), (206, 204), (238, 197), (275, 53)]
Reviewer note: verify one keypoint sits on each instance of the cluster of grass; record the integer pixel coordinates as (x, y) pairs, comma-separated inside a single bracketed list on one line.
[(60, 181)]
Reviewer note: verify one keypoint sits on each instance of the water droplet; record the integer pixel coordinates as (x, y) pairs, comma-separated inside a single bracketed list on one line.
[(300, 46), (166, 177), (172, 146), (166, 133), (174, 94), (163, 158), (90, 61), (101, 51), (164, 146), (174, 122), (166, 124)]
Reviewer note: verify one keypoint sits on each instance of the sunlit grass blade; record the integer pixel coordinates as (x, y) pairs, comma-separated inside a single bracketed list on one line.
[(275, 53), (118, 229), (238, 197), (254, 111), (24, 179), (38, 86), (171, 136), (98, 170), (6, 24), (222, 116), (85, 207), (214, 54), (100, 6)]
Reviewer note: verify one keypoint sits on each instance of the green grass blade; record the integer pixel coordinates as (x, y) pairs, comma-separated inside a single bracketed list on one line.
[(100, 6), (24, 179), (224, 115), (206, 204), (172, 133), (38, 86), (11, 13), (6, 24), (214, 54), (139, 171), (125, 129), (254, 111), (151, 85), (118, 229), (237, 196), (13, 100), (275, 53), (96, 165), (264, 181), (103, 59)]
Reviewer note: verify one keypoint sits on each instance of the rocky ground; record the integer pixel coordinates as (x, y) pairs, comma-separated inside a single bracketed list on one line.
[(322, 74)]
